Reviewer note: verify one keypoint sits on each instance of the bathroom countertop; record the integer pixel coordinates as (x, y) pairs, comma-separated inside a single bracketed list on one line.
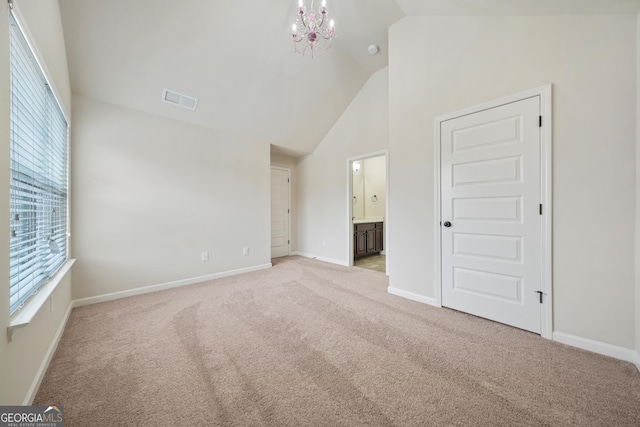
[(368, 219)]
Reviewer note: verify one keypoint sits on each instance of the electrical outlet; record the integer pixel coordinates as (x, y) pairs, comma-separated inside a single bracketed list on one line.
[(205, 256), (245, 251)]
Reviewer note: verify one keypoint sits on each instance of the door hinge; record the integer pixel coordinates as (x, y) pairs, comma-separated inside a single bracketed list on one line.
[(288, 211), (288, 180), (288, 242), (540, 293), (540, 208), (540, 121)]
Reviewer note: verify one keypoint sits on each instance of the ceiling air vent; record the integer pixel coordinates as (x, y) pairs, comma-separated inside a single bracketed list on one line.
[(179, 99)]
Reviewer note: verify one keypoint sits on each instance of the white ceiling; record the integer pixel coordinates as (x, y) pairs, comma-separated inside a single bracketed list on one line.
[(518, 7), (237, 57)]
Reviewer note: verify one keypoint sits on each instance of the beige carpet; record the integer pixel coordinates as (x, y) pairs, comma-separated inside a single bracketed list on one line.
[(307, 343)]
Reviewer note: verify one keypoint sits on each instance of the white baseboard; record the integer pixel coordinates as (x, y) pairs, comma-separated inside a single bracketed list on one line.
[(605, 349), (412, 296), (163, 286), (37, 380), (320, 258)]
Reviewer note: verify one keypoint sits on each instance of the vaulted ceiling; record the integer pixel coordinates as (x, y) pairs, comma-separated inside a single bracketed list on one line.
[(236, 57)]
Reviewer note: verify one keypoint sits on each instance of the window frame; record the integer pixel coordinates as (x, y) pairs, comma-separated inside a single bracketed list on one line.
[(52, 195)]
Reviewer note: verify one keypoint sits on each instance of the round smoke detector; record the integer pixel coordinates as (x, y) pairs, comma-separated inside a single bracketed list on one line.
[(373, 49)]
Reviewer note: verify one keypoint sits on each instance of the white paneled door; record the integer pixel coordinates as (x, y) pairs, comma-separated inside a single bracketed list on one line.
[(280, 239), (491, 214)]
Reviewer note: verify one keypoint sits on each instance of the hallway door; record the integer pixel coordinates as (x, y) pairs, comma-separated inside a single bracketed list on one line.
[(280, 212)]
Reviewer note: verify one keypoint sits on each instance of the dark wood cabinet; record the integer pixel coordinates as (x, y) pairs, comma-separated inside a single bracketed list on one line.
[(368, 238), (379, 237), (360, 243)]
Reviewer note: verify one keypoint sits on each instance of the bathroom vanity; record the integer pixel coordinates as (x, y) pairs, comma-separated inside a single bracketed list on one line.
[(368, 238)]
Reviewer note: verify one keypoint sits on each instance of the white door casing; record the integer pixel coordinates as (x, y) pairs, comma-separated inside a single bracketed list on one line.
[(492, 259), (280, 212)]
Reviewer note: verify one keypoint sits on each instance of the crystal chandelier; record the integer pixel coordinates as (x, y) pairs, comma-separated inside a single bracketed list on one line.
[(312, 31)]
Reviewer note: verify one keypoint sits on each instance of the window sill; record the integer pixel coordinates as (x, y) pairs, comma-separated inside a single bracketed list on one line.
[(25, 315)]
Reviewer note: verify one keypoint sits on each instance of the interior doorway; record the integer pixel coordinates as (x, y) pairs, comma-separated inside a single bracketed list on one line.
[(367, 207), (280, 212)]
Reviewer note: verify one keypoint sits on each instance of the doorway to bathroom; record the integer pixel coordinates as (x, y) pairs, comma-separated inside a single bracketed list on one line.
[(368, 211)]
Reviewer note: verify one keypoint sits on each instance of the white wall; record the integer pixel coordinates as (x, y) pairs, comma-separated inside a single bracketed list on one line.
[(151, 194), (21, 359), (322, 176), (375, 184), (442, 64)]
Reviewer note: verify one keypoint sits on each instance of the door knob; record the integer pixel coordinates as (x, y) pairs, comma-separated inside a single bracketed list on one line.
[(447, 224)]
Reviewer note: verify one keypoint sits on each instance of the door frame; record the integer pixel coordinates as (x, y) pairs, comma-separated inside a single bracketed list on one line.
[(288, 170), (350, 161), (545, 93)]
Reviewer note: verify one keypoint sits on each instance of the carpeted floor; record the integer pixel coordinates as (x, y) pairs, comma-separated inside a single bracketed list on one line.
[(307, 343)]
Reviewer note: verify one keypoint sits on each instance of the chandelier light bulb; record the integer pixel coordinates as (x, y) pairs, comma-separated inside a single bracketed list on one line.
[(331, 23), (300, 3), (324, 3)]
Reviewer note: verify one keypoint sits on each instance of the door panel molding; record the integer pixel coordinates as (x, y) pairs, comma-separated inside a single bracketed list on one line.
[(544, 93)]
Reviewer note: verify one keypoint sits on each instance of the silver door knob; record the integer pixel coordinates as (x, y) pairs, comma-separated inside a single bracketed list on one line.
[(447, 224)]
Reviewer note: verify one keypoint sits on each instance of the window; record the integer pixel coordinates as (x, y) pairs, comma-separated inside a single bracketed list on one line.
[(38, 181)]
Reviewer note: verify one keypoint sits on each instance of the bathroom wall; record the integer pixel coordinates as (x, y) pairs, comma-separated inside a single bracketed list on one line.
[(370, 188), (375, 187), (358, 189)]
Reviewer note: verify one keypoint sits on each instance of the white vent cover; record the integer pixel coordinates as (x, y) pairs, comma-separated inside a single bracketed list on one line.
[(179, 99)]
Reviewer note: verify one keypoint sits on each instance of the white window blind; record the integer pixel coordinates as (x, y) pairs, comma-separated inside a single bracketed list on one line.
[(38, 182)]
